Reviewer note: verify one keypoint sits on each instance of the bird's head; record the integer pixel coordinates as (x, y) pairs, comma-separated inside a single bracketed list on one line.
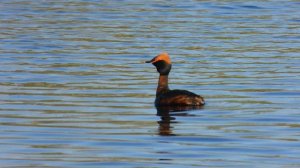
[(162, 62)]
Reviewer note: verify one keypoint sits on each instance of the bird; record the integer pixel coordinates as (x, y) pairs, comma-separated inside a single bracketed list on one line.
[(165, 96)]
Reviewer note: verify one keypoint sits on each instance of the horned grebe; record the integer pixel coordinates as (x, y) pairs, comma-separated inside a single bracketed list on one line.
[(165, 96)]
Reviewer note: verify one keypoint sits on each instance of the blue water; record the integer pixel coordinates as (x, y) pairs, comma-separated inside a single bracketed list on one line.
[(74, 91)]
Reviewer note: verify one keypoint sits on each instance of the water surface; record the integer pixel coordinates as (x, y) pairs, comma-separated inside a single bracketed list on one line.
[(75, 93)]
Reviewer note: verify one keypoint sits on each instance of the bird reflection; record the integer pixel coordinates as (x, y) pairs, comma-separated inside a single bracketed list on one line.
[(168, 116)]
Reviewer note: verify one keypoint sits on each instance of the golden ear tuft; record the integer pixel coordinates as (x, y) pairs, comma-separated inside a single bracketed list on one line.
[(164, 56)]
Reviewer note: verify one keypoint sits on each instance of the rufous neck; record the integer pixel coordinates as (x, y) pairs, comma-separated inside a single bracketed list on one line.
[(162, 86)]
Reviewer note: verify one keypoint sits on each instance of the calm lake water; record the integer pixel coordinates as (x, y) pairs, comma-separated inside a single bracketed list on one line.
[(75, 93)]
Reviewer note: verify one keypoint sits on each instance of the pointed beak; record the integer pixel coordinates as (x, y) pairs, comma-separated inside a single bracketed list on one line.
[(150, 61)]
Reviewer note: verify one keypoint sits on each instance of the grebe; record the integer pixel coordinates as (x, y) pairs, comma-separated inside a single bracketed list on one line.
[(165, 96)]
